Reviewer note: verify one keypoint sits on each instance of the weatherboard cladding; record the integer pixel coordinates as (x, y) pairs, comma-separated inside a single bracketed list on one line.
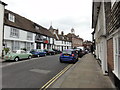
[(25, 24)]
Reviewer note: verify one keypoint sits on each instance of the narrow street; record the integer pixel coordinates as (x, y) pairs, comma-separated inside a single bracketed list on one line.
[(32, 73)]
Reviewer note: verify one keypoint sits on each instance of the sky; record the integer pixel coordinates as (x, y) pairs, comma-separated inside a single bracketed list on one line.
[(61, 14)]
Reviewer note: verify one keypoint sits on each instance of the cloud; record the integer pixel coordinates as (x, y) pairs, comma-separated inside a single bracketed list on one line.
[(64, 14)]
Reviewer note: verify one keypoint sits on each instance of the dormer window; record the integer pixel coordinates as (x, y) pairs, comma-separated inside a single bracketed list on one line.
[(11, 17), (37, 28)]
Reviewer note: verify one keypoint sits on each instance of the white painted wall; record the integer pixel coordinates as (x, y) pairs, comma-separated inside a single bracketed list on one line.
[(22, 38), (1, 27), (51, 40), (101, 46)]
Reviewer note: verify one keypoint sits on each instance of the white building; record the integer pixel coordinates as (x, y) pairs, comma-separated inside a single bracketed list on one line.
[(61, 41), (100, 34), (18, 32), (2, 6), (16, 39)]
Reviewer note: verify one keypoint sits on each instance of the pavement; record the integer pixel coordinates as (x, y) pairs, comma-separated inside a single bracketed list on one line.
[(86, 73), (1, 60)]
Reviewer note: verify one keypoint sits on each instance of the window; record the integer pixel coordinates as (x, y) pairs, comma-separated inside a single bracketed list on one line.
[(22, 51), (11, 17), (29, 36), (36, 27), (15, 45), (117, 55), (112, 2), (119, 45), (28, 46), (14, 33)]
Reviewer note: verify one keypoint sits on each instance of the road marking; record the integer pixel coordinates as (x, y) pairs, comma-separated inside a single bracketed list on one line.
[(51, 81)]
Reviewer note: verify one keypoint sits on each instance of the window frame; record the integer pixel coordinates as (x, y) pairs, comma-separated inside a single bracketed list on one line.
[(29, 36), (11, 17), (14, 32)]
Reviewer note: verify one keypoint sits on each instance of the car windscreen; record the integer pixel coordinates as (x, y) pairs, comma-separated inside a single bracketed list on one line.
[(50, 50), (67, 52)]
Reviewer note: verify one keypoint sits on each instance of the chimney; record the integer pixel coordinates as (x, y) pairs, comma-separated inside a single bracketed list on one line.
[(57, 31), (62, 33)]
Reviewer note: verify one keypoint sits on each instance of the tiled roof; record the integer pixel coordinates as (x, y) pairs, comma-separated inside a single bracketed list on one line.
[(25, 24), (3, 3)]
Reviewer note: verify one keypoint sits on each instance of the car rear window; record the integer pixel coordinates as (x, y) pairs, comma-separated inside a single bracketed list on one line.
[(39, 50), (67, 52)]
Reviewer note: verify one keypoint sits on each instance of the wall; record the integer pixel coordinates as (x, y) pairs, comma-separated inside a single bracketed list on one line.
[(1, 27), (22, 38)]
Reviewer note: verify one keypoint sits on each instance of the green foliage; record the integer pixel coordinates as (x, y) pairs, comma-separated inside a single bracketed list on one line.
[(6, 50)]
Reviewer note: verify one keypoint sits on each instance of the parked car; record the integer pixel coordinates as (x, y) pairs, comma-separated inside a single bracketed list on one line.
[(68, 55), (50, 52), (17, 55), (80, 53), (57, 51), (38, 52)]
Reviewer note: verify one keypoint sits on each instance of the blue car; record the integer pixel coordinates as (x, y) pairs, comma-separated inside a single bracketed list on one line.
[(38, 52), (68, 55)]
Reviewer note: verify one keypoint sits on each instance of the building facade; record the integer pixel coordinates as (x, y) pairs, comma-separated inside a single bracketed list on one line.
[(76, 40), (18, 33), (100, 34), (106, 24), (112, 11), (2, 7), (61, 41)]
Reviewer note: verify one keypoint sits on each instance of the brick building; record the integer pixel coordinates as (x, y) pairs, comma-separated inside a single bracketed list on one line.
[(76, 40)]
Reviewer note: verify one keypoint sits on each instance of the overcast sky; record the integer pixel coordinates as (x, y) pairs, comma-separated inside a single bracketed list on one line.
[(63, 14)]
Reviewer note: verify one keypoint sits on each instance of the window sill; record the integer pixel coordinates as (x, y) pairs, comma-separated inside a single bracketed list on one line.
[(116, 74)]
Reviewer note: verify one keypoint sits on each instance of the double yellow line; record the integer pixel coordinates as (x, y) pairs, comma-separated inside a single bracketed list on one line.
[(55, 78)]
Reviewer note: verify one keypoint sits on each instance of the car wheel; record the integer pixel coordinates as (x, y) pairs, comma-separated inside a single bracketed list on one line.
[(45, 55), (61, 61), (38, 55), (29, 57), (16, 59)]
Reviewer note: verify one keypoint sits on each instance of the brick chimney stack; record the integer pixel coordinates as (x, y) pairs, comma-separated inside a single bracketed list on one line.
[(57, 31), (62, 33)]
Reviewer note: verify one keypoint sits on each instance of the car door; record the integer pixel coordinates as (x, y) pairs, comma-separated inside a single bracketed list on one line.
[(23, 54)]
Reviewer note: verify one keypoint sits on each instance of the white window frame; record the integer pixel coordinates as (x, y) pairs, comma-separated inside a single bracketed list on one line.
[(29, 36), (116, 46), (112, 3), (37, 27), (14, 33), (15, 45), (11, 17)]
